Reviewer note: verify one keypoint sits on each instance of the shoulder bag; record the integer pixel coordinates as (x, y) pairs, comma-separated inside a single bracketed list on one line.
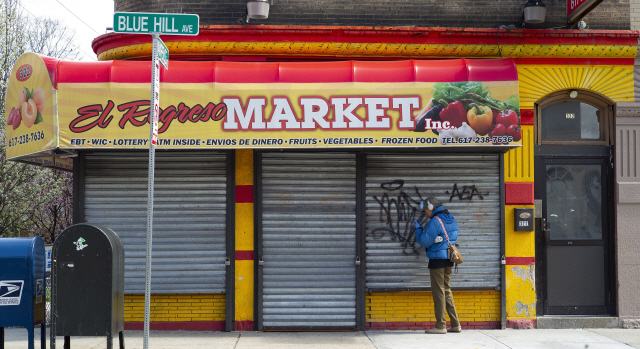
[(453, 253)]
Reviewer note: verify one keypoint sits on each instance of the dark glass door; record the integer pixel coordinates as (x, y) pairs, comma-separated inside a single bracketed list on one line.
[(573, 233)]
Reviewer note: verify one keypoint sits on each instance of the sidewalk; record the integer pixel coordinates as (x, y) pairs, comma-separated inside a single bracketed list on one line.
[(16, 338)]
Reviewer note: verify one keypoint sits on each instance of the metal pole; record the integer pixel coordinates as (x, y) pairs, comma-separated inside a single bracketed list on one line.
[(153, 116)]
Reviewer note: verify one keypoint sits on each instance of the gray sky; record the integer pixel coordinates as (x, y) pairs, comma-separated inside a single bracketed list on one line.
[(97, 14)]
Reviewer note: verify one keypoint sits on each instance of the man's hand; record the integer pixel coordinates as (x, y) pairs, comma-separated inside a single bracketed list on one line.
[(417, 224)]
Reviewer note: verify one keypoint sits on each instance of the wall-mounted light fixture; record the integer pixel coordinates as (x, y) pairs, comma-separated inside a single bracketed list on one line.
[(258, 9), (535, 12)]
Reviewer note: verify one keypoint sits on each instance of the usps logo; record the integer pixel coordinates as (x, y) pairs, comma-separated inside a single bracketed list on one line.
[(39, 290), (10, 292)]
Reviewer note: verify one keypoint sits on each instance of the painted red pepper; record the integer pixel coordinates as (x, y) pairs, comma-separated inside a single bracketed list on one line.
[(453, 112)]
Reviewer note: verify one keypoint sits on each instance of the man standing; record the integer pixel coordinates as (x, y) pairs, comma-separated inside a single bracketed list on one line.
[(433, 238)]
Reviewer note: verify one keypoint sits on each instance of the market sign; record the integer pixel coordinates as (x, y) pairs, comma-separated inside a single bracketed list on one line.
[(286, 115), (161, 23), (576, 9), (234, 105)]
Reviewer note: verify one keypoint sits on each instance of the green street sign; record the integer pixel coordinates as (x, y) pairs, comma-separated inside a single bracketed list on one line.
[(161, 23), (163, 53)]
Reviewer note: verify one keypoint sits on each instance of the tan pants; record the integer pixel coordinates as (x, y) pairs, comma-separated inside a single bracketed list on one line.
[(442, 297)]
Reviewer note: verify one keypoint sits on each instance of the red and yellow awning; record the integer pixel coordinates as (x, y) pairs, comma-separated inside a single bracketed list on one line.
[(207, 104)]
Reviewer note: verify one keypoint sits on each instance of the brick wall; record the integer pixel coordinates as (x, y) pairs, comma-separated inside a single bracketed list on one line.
[(176, 307), (610, 14), (414, 310), (634, 13)]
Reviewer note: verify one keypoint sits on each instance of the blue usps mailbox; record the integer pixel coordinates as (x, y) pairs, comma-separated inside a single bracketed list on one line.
[(22, 283)]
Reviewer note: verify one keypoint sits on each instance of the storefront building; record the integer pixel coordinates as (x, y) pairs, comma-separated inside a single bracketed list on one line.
[(292, 159)]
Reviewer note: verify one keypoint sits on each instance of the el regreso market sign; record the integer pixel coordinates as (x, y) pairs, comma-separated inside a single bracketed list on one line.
[(264, 105)]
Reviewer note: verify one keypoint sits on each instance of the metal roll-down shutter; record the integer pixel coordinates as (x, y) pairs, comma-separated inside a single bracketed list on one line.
[(467, 185), (308, 240), (188, 254)]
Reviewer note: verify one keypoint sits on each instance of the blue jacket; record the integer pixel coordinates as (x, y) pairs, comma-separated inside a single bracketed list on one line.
[(433, 229)]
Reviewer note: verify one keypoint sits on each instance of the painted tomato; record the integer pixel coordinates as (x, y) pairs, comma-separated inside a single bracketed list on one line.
[(507, 118), (515, 132), (498, 130)]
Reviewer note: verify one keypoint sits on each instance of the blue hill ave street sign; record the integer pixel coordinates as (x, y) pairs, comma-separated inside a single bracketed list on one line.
[(161, 23)]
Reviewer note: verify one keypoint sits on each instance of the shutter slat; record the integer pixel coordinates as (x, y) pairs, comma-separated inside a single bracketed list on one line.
[(467, 185), (189, 223)]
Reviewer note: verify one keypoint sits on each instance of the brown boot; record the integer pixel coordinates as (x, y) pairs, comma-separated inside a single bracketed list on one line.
[(455, 329), (436, 331)]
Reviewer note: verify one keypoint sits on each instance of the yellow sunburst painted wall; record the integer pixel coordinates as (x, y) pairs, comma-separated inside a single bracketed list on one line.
[(538, 81)]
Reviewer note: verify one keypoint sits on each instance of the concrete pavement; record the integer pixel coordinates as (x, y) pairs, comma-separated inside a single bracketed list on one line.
[(16, 338)]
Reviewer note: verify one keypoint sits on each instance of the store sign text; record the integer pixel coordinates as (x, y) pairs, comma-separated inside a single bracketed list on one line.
[(572, 5), (335, 113)]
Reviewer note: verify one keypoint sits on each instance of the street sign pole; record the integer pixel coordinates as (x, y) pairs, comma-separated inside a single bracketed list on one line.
[(153, 140), (155, 24)]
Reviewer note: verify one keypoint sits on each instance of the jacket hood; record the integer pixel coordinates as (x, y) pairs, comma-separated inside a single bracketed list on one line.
[(446, 217)]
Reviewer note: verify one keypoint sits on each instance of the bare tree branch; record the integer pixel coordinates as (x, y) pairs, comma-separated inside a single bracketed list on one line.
[(33, 200)]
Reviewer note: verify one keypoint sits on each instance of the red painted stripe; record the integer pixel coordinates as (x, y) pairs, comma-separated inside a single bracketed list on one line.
[(526, 120), (526, 116), (291, 72), (178, 326), (244, 194), (522, 323), (518, 193), (521, 260), (244, 325), (244, 255)]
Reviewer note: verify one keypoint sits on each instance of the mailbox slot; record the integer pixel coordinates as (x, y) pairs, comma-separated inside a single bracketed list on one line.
[(523, 219)]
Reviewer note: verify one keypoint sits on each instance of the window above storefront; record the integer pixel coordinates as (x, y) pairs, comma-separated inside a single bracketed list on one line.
[(573, 117), (570, 121)]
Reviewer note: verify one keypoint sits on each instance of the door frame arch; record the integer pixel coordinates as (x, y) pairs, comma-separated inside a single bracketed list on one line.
[(597, 100)]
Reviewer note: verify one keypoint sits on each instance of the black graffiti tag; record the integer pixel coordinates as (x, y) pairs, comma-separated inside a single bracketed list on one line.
[(468, 192), (397, 213)]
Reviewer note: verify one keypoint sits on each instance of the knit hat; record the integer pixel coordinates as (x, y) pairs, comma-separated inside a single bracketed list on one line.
[(430, 200)]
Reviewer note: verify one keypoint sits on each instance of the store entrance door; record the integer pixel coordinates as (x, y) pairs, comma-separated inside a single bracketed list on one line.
[(572, 235)]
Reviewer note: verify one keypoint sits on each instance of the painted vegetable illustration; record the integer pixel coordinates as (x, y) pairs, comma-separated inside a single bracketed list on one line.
[(507, 118), (464, 131), (453, 112), (471, 102), (515, 132), (480, 118)]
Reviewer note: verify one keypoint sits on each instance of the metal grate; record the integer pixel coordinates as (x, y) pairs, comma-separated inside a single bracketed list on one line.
[(308, 240), (189, 216), (467, 185)]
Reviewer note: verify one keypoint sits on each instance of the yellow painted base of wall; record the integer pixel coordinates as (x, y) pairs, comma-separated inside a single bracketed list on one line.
[(176, 307), (244, 290), (521, 292), (472, 306)]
